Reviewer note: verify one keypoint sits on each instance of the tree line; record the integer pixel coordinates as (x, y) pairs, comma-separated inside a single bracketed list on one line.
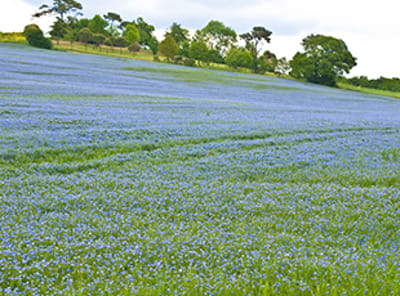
[(324, 59)]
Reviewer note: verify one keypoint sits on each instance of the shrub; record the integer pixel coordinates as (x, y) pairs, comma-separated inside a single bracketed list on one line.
[(134, 47), (239, 58), (189, 62), (35, 37)]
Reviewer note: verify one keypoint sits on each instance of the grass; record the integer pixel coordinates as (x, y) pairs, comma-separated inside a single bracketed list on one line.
[(369, 90)]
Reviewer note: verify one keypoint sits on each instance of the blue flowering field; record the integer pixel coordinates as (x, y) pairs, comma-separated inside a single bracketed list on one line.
[(123, 177)]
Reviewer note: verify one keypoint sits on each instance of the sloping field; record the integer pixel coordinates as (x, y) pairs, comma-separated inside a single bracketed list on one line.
[(122, 177)]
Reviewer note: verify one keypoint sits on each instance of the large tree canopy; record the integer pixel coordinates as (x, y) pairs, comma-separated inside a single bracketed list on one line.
[(169, 47), (178, 33), (98, 25), (131, 33), (255, 38), (217, 36), (60, 7), (324, 59), (145, 31)]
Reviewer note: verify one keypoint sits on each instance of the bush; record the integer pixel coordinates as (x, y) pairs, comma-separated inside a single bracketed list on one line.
[(189, 62), (239, 58), (134, 47), (35, 37)]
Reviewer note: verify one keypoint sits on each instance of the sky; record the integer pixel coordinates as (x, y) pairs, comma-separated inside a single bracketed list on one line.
[(370, 28)]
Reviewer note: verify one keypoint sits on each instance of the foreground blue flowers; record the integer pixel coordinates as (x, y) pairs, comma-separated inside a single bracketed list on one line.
[(126, 177)]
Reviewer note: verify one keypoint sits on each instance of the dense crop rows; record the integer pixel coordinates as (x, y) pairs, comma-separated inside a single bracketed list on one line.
[(126, 177)]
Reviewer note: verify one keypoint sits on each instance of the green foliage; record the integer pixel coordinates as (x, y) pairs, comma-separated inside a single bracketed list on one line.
[(153, 45), (34, 36), (184, 49), (270, 61), (168, 47), (282, 66), (120, 42), (178, 33), (215, 56), (324, 60), (98, 39), (112, 17), (85, 35), (255, 38), (198, 50), (14, 37), (131, 33), (239, 57), (60, 7), (134, 47), (382, 83), (145, 31), (98, 25), (217, 36), (59, 29)]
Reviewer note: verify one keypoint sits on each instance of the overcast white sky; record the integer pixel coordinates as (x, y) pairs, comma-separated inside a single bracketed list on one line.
[(371, 29)]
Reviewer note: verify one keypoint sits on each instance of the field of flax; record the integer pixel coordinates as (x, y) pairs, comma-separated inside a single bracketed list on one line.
[(122, 177)]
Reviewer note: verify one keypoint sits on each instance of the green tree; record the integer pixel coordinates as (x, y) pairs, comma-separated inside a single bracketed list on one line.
[(268, 62), (198, 50), (85, 36), (168, 47), (98, 39), (153, 45), (60, 8), (59, 29), (239, 57), (282, 66), (145, 31), (134, 47), (131, 33), (180, 34), (34, 36), (217, 36), (254, 40), (120, 42), (112, 17), (98, 25), (323, 61), (70, 35)]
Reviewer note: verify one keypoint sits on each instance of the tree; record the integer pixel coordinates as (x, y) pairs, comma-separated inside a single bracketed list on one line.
[(153, 45), (98, 25), (59, 29), (168, 47), (120, 42), (131, 33), (134, 47), (217, 36), (112, 17), (70, 35), (34, 36), (198, 50), (60, 8), (98, 39), (145, 31), (324, 60), (85, 35), (239, 57), (268, 62), (178, 33), (282, 66), (253, 40)]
